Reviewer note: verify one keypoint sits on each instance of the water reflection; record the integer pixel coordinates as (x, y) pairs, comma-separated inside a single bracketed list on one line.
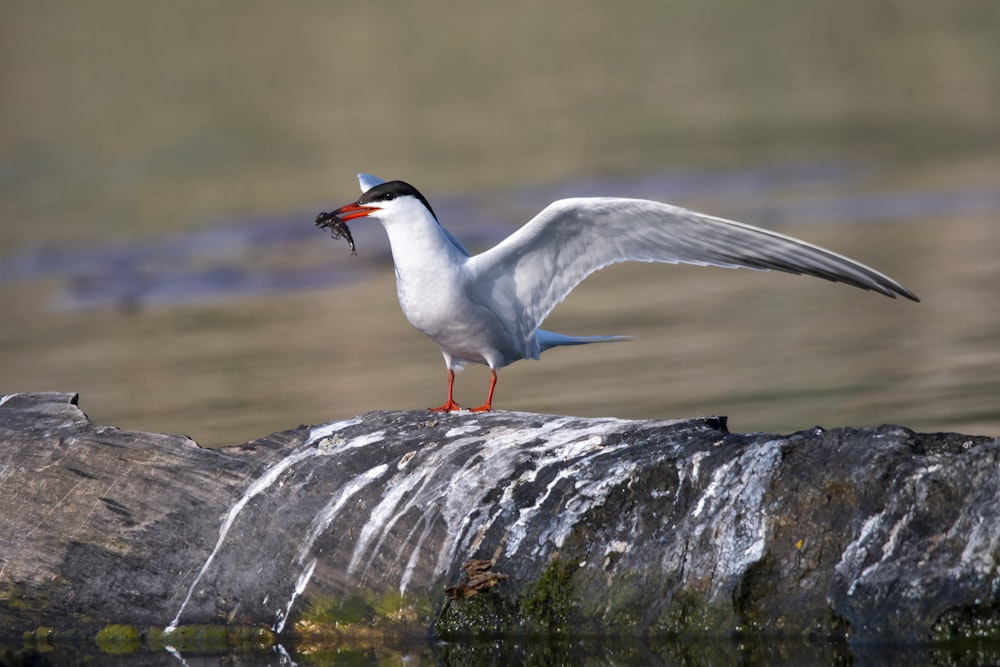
[(542, 651)]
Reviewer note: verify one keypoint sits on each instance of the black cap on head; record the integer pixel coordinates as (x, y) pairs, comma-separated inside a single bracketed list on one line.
[(390, 190)]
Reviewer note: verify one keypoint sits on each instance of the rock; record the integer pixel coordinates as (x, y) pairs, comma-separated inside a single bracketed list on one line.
[(536, 523)]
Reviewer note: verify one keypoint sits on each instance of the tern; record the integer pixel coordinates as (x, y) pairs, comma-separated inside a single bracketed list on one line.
[(487, 308)]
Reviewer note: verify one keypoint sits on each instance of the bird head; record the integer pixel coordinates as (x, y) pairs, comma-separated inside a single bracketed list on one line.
[(383, 202), (396, 204)]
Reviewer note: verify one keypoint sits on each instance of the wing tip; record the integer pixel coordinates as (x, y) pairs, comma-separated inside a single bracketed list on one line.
[(894, 290)]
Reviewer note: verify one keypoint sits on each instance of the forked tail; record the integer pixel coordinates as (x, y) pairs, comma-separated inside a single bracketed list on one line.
[(548, 339)]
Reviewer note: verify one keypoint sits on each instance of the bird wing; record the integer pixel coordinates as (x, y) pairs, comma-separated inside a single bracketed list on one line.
[(527, 274), (367, 182)]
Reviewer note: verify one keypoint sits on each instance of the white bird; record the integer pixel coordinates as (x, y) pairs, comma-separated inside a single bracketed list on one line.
[(487, 308)]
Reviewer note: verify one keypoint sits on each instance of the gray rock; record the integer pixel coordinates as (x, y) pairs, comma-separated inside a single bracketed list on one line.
[(583, 525)]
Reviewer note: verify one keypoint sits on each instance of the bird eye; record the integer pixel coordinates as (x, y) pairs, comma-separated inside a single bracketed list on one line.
[(389, 196)]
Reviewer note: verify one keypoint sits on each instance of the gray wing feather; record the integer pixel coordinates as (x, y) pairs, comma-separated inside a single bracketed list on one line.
[(526, 275), (368, 181)]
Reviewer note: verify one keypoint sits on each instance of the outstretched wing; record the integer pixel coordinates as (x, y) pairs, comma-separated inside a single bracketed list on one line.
[(532, 270)]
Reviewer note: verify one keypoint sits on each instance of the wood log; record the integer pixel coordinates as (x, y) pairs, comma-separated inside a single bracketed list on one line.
[(534, 523)]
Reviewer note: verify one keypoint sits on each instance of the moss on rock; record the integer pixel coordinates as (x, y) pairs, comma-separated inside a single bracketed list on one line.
[(118, 639), (547, 606)]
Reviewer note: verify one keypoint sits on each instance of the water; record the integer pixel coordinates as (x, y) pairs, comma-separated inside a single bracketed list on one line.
[(252, 325), (558, 651), (222, 261)]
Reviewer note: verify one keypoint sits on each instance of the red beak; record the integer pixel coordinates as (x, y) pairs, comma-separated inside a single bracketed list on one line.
[(353, 210)]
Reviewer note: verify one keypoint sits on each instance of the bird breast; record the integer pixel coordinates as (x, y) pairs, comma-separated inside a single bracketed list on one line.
[(440, 308)]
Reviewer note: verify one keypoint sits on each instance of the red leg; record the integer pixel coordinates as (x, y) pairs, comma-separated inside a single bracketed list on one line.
[(488, 405), (450, 405)]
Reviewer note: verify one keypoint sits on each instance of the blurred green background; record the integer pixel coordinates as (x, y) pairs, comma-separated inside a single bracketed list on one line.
[(142, 123)]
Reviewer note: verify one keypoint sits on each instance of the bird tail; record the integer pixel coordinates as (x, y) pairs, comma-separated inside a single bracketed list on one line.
[(548, 339)]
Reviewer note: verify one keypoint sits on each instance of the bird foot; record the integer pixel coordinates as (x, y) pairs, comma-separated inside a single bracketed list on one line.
[(482, 408), (450, 406)]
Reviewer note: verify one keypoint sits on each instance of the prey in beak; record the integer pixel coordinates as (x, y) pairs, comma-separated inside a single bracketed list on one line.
[(336, 221)]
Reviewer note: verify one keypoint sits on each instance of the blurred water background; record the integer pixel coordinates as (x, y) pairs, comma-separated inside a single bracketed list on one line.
[(161, 166)]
